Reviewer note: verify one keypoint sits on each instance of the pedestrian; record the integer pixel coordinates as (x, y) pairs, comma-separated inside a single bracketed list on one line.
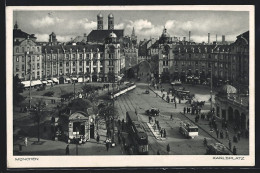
[(221, 134), (158, 152), (217, 132), (168, 148), (161, 133), (238, 135), (184, 110), (164, 133), (98, 137), (175, 105), (25, 141), (227, 136), (67, 150), (234, 150), (119, 140), (107, 145), (179, 100), (229, 144), (171, 117)]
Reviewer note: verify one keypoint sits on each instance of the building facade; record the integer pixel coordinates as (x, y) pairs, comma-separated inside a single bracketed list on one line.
[(194, 62), (90, 62)]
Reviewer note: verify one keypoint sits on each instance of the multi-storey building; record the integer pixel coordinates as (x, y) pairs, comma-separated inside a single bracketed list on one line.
[(27, 56), (194, 62), (90, 62)]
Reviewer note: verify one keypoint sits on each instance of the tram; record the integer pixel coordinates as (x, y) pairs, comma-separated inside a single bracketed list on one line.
[(188, 129), (128, 87), (137, 133)]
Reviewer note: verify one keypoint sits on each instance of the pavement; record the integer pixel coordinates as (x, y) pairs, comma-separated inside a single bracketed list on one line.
[(242, 145), (51, 147)]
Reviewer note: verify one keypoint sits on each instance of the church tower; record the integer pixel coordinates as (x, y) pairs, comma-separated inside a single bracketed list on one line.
[(100, 21), (133, 37), (110, 22), (16, 25)]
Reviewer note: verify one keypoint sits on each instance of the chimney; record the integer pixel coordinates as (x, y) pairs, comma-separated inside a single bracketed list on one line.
[(208, 38), (189, 35), (85, 35), (223, 38)]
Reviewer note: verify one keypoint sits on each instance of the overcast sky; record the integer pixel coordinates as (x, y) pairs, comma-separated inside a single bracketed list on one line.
[(69, 24)]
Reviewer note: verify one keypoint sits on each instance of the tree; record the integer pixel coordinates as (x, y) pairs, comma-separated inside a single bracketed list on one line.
[(17, 89), (38, 113), (111, 76)]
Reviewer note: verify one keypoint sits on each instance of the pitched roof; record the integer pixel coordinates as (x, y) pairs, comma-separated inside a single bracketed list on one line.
[(74, 48), (17, 33), (100, 35)]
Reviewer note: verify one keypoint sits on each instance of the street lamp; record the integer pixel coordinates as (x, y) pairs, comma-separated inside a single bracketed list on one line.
[(77, 131)]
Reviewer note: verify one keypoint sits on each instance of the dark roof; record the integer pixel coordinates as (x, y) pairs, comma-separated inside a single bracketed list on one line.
[(17, 33), (155, 45), (74, 48), (100, 35), (200, 48)]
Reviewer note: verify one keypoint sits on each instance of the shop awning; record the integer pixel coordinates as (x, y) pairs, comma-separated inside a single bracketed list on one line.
[(68, 79), (44, 82), (49, 81), (26, 83), (55, 80), (74, 78), (36, 82)]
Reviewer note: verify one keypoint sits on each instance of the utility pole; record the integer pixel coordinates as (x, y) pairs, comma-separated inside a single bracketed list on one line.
[(113, 123), (30, 76), (211, 81), (74, 90)]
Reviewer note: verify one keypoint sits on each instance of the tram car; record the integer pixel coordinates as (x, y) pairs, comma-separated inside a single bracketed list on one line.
[(188, 129), (128, 87), (137, 133)]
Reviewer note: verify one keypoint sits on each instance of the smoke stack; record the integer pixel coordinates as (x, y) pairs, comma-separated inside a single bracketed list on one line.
[(189, 35), (223, 38), (208, 38)]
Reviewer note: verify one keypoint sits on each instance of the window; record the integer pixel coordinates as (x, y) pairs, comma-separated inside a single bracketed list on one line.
[(74, 70), (110, 62), (67, 64), (17, 59), (22, 58), (38, 58), (28, 49), (48, 57), (60, 64), (22, 49), (48, 65), (87, 63), (111, 70), (17, 49), (111, 56), (74, 56), (216, 64), (38, 49), (54, 57), (74, 63), (22, 74), (22, 67), (80, 63), (80, 56), (33, 58), (33, 49), (176, 63), (87, 70), (196, 63), (38, 65), (33, 67), (60, 71), (38, 73), (80, 69), (94, 62), (17, 68)]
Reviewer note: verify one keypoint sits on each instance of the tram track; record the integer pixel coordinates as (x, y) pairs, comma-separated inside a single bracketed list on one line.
[(133, 105)]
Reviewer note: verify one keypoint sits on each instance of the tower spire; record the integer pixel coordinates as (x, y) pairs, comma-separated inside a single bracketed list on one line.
[(16, 25)]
